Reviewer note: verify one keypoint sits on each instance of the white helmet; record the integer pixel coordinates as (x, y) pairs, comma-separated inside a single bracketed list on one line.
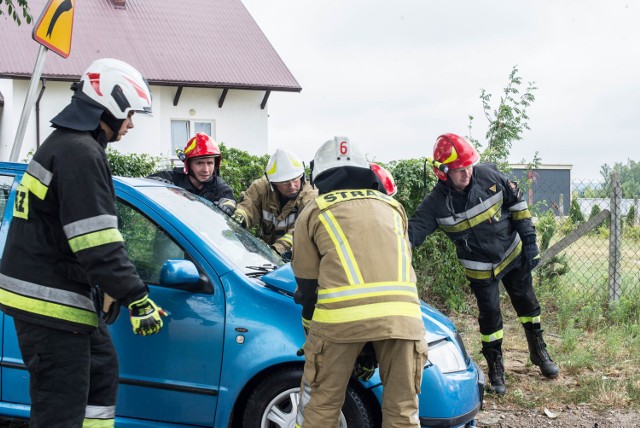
[(283, 166), (116, 86), (336, 153)]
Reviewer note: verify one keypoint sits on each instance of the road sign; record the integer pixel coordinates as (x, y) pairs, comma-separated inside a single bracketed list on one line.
[(55, 25)]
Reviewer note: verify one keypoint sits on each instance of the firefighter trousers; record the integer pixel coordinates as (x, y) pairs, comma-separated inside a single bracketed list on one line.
[(519, 285), (327, 370), (73, 377)]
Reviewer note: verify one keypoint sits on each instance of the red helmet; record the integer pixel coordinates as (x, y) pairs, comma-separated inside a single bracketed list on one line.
[(201, 145), (386, 179), (455, 152)]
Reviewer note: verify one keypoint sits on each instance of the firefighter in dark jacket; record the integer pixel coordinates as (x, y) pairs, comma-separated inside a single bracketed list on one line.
[(488, 220), (201, 172), (275, 201), (352, 263), (63, 243)]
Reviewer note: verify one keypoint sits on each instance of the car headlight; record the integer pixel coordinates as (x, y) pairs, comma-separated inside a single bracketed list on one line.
[(447, 356)]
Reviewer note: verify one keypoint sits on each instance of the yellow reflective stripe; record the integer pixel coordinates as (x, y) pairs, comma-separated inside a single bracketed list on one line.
[(367, 295), (511, 257), (306, 323), (477, 274), (34, 186), (95, 239), (98, 423), (287, 238), (350, 292), (49, 309), (365, 312), (343, 248), (533, 320), (486, 274), (521, 215), (404, 261), (21, 203), (474, 221), (493, 336)]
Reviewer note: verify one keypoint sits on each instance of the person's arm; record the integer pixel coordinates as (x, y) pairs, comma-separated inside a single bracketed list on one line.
[(248, 211), (284, 244), (422, 223), (163, 176)]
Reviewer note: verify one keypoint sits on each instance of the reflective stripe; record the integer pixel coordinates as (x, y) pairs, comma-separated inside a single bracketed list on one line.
[(95, 239), (342, 246), (100, 412), (492, 337), (288, 238), (364, 312), (80, 227), (34, 186), (520, 206), (521, 215), (474, 221), (279, 224), (328, 199), (305, 397), (404, 260), (351, 292), (532, 320), (98, 423), (474, 211), (47, 301), (306, 323), (484, 270)]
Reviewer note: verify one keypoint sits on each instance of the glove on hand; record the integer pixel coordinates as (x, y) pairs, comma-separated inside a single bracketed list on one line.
[(239, 218), (227, 206), (531, 251), (366, 363), (146, 316)]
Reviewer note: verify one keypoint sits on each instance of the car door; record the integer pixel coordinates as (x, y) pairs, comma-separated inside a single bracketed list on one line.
[(172, 376)]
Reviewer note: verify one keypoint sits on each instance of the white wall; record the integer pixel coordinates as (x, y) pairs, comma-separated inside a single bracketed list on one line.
[(240, 123)]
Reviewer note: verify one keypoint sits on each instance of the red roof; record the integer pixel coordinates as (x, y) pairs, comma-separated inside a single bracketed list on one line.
[(206, 43)]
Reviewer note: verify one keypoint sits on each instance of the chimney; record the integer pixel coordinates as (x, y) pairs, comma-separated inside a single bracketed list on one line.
[(119, 4)]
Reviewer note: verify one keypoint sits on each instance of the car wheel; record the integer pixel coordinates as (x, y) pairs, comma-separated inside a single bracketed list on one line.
[(274, 403)]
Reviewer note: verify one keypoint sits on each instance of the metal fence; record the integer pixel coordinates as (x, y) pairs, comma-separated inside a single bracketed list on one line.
[(594, 253)]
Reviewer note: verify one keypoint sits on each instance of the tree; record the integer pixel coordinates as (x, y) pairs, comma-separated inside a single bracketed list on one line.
[(507, 121), (12, 10), (629, 178)]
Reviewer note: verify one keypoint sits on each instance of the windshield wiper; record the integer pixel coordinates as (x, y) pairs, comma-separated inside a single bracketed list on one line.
[(260, 270)]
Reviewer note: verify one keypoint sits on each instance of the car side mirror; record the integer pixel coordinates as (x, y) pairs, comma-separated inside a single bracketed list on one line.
[(178, 272)]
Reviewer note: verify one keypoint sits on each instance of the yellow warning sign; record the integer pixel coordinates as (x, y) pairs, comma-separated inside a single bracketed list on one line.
[(55, 25)]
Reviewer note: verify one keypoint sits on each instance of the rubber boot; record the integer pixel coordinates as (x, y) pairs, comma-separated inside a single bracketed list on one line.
[(539, 355), (496, 370)]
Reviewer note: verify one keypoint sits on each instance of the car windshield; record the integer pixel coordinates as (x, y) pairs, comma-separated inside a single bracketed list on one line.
[(252, 255)]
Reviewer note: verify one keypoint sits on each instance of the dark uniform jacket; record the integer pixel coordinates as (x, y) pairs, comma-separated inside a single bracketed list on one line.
[(213, 190), (486, 222), (64, 237), (261, 205), (352, 263)]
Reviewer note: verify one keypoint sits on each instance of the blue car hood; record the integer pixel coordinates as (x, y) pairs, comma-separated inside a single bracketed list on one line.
[(436, 323)]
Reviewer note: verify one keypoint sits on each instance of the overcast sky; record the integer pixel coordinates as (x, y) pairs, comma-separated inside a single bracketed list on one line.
[(394, 74)]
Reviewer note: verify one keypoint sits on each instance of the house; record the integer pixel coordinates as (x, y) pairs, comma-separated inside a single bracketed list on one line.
[(547, 187), (210, 67)]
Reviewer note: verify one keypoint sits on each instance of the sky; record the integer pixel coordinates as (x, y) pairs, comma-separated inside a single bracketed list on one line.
[(392, 75)]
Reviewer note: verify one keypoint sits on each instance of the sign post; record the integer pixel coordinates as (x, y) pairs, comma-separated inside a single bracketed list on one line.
[(53, 31)]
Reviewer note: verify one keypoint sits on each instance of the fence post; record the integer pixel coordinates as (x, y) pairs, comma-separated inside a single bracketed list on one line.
[(615, 239)]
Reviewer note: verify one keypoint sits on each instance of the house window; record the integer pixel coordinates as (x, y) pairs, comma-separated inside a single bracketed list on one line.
[(182, 130)]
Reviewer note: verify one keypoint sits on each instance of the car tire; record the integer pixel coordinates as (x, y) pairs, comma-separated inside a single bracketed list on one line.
[(273, 404)]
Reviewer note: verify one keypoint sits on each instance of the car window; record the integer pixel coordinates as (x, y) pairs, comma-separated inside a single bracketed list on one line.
[(147, 244), (5, 187)]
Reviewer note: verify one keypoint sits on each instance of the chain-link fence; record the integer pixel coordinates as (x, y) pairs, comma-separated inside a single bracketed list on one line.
[(589, 234)]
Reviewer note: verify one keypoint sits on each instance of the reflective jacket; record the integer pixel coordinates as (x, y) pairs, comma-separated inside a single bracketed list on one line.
[(64, 237), (260, 204), (352, 258), (212, 190), (486, 222)]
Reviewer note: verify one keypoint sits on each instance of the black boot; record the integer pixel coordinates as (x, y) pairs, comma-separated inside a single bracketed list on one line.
[(539, 355), (496, 370)]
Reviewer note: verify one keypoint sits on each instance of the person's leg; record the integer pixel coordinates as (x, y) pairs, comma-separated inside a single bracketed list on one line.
[(491, 331), (327, 370), (401, 365), (58, 365), (103, 387)]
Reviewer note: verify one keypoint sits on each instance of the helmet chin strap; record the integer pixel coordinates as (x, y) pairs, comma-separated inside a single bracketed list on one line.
[(114, 124)]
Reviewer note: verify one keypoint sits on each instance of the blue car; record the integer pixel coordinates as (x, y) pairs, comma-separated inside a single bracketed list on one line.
[(227, 355)]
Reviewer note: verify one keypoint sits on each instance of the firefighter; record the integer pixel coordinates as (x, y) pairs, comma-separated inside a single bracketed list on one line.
[(275, 201), (200, 174), (352, 263), (486, 217), (63, 242)]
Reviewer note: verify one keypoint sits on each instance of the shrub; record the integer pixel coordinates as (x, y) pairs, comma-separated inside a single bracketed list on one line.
[(132, 165)]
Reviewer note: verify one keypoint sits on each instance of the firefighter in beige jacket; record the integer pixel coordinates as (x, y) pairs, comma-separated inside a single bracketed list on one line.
[(275, 201), (352, 263)]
